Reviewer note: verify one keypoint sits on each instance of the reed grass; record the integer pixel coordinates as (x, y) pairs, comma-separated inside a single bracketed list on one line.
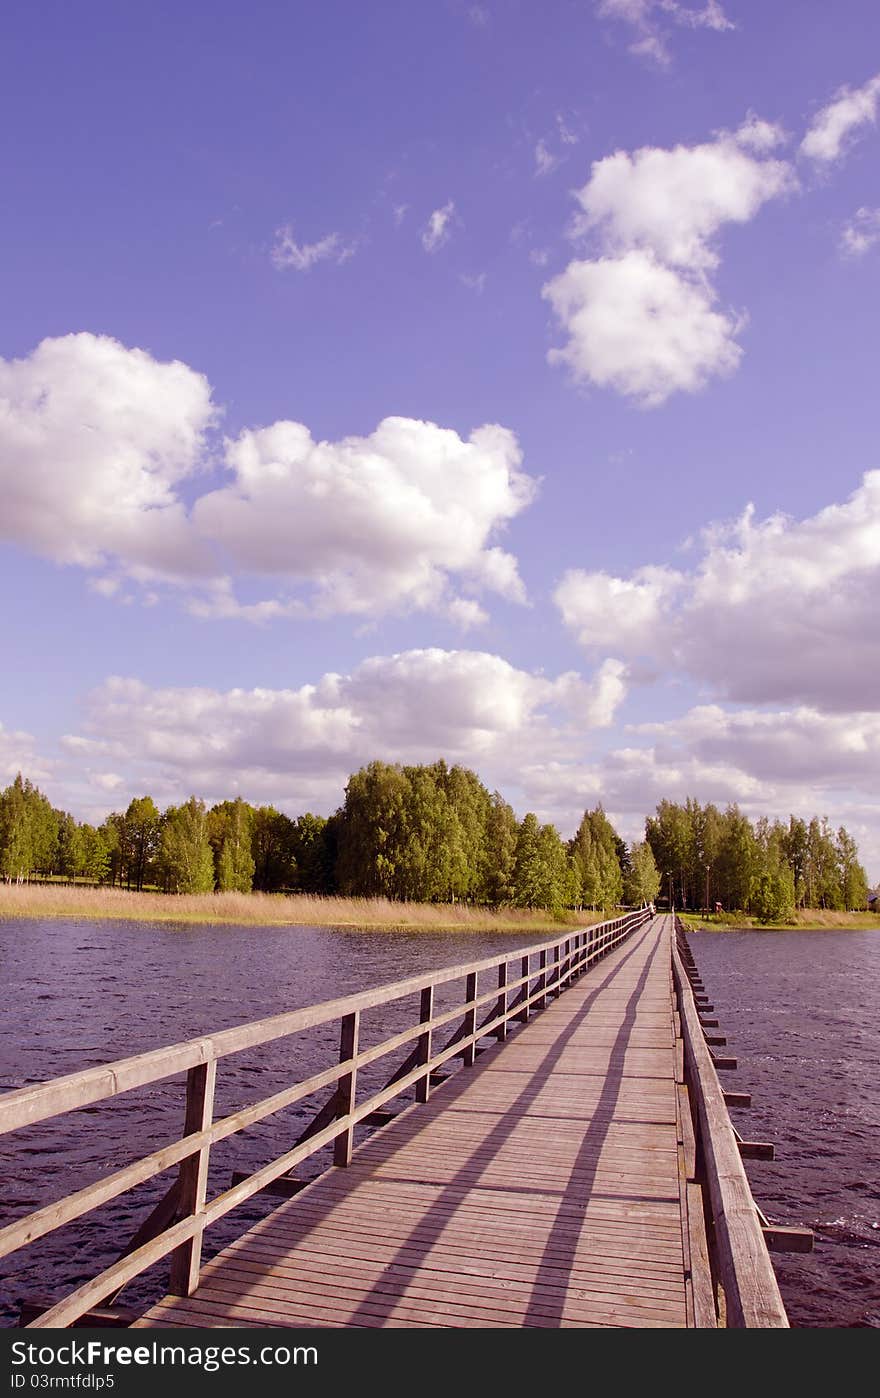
[(301, 909), (803, 920)]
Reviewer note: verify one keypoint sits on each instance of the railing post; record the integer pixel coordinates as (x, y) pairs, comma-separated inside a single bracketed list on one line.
[(524, 973), (193, 1176), (557, 971), (347, 1088), (501, 1002), (426, 1011), (542, 981), (470, 1019)]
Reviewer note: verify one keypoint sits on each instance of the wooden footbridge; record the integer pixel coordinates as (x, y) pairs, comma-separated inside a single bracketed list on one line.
[(579, 1169)]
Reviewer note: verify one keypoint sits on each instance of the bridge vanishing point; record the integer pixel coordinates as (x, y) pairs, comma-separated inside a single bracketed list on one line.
[(580, 1169)]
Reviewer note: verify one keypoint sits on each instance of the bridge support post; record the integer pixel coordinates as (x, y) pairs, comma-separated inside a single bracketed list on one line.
[(193, 1177), (345, 1092), (501, 1002), (426, 1011), (470, 1019)]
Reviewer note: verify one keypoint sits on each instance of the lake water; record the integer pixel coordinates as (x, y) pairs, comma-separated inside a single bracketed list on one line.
[(800, 1011)]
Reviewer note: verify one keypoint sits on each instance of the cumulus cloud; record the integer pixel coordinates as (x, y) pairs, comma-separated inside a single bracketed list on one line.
[(95, 440), (791, 761), (438, 229), (539, 739), (287, 252), (98, 442), (620, 614), (372, 523), (298, 746), (673, 202), (861, 233), (641, 316), (640, 328), (18, 753), (800, 745), (835, 127), (775, 611), (653, 20)]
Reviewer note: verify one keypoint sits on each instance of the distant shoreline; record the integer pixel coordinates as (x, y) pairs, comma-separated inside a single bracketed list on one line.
[(279, 910), (805, 920)]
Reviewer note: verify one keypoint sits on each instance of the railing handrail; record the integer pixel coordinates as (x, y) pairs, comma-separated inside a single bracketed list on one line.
[(751, 1291), (559, 960), (37, 1102)]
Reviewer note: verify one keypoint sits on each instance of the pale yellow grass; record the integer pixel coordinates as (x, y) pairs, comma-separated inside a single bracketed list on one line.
[(803, 920), (46, 900)]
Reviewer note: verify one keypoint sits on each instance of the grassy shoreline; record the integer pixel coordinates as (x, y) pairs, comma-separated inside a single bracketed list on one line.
[(266, 909), (804, 920)]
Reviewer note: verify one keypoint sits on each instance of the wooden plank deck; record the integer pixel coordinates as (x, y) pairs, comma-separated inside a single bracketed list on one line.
[(542, 1187)]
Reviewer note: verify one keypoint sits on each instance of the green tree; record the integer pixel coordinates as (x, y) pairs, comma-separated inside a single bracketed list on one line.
[(140, 839), (186, 856), (372, 831), (314, 853), (69, 860), (526, 870), (28, 831), (499, 852), (229, 834), (272, 849), (642, 882)]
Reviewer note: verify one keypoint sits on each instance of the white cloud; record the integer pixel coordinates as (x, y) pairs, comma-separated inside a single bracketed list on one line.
[(298, 746), (786, 762), (861, 233), (287, 252), (652, 21), (466, 613), (641, 317), (639, 327), (833, 129), (672, 202), (545, 160), (800, 745), (94, 441), (371, 523), (620, 614), (97, 442), (534, 737), (438, 229), (18, 753), (774, 612)]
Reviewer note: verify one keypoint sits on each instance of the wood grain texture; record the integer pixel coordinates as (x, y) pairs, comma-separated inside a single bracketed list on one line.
[(541, 1187)]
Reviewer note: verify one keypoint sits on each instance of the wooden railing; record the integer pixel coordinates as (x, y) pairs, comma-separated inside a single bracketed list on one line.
[(520, 983), (738, 1247)]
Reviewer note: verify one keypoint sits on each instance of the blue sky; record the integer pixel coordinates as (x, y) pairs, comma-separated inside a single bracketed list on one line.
[(489, 380)]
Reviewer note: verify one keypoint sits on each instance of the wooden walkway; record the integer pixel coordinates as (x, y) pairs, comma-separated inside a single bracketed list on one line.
[(542, 1187)]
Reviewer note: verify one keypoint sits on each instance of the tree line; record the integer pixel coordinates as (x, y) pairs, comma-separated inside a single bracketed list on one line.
[(435, 833), (769, 868)]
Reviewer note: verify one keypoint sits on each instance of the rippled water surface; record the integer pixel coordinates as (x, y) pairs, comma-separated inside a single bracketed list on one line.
[(800, 1011), (84, 993)]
